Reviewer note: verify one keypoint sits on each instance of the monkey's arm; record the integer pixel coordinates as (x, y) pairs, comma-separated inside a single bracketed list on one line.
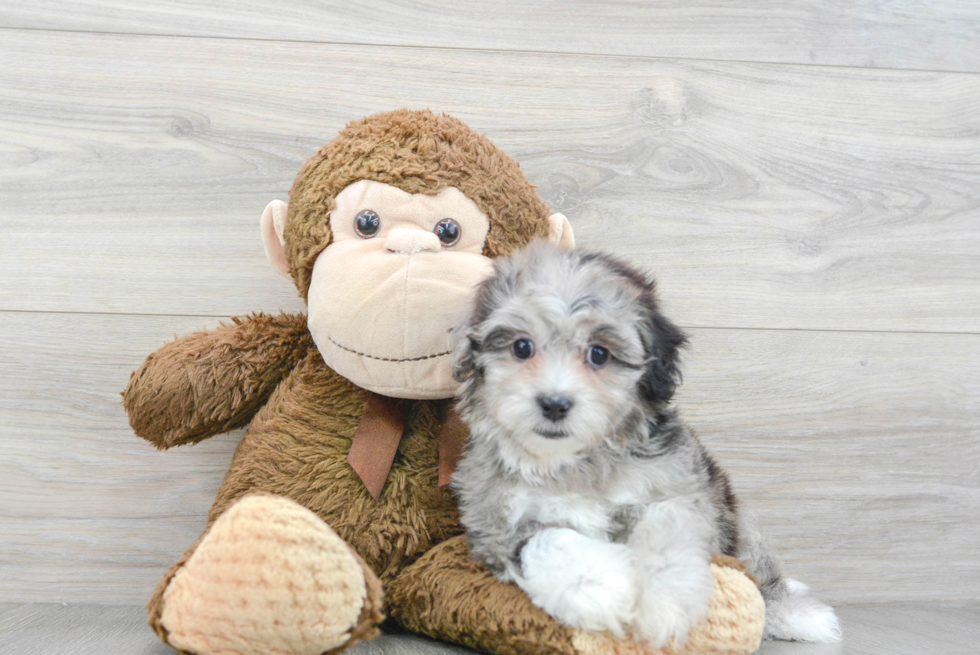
[(448, 595), (213, 381)]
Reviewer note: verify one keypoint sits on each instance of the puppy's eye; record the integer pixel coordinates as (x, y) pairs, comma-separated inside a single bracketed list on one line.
[(448, 231), (367, 223), (597, 356), (523, 349)]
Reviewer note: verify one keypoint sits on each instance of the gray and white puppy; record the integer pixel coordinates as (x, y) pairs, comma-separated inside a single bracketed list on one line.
[(580, 483)]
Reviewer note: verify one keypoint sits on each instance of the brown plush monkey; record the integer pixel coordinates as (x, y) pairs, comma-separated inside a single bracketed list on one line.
[(334, 492)]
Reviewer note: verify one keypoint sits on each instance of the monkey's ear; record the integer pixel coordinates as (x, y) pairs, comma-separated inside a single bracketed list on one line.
[(273, 223), (561, 233)]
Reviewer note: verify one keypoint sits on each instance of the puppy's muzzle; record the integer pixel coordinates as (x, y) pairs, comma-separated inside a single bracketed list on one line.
[(555, 408)]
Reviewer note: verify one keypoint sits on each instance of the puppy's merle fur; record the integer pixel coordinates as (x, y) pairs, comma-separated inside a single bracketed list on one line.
[(580, 482)]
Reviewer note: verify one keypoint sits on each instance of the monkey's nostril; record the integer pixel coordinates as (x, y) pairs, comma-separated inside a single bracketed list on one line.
[(555, 407)]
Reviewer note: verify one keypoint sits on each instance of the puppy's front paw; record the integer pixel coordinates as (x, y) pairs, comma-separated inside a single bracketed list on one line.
[(669, 607), (661, 622), (592, 604), (581, 582)]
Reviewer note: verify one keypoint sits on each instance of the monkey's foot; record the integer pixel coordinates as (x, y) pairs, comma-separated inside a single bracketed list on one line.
[(271, 578)]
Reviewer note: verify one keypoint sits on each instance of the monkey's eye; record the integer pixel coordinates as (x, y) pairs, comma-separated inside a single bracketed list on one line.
[(448, 231), (367, 223), (597, 356), (523, 349)]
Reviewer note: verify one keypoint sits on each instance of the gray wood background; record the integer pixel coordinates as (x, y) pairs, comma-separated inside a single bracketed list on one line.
[(802, 176)]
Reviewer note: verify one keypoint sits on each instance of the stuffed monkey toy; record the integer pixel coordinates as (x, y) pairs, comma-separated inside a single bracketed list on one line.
[(334, 512)]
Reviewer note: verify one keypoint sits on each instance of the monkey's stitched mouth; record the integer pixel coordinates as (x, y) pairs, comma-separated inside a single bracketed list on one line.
[(387, 359)]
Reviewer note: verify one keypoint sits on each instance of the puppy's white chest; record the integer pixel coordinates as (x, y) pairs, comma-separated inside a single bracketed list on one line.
[(582, 513)]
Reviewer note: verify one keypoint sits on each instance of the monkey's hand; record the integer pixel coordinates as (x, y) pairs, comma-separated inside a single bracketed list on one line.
[(582, 582), (213, 381)]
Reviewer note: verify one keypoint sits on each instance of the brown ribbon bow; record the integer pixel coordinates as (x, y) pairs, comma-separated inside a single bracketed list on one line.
[(380, 431)]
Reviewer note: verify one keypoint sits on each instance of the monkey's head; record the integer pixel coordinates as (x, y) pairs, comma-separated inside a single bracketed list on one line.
[(388, 229)]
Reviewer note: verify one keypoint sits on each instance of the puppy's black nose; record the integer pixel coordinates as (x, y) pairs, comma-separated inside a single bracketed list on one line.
[(555, 407)]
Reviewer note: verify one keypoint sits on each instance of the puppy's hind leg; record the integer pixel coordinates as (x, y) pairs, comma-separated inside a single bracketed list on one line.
[(791, 612)]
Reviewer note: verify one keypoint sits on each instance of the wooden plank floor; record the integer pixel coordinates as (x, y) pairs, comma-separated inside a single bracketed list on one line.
[(901, 629), (802, 177)]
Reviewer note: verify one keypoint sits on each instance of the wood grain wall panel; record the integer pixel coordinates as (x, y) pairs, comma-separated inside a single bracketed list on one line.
[(858, 451), (88, 509), (814, 226), (892, 34), (133, 171)]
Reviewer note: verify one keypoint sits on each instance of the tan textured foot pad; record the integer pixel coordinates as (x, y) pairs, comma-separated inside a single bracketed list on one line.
[(732, 626), (270, 578)]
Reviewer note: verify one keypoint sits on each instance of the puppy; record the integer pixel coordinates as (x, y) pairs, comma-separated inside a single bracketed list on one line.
[(580, 483)]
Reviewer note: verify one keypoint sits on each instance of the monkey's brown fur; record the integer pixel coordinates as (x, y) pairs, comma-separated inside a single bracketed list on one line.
[(418, 152), (265, 372)]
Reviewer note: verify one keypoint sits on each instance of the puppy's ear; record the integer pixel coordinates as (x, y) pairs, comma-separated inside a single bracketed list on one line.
[(463, 341), (464, 355), (663, 341)]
